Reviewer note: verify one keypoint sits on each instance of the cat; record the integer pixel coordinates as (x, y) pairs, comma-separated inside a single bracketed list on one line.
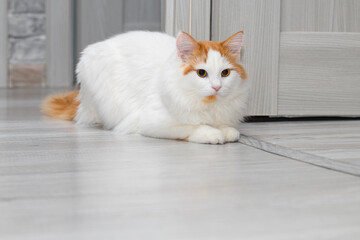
[(159, 86)]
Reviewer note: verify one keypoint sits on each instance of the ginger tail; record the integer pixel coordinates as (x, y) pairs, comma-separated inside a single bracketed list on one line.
[(62, 106)]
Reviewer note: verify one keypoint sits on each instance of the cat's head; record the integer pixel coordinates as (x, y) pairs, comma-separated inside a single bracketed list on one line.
[(211, 67)]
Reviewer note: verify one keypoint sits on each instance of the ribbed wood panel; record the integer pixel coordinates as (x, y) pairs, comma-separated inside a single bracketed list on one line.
[(320, 15), (178, 18), (142, 15), (319, 74), (97, 20), (59, 43), (261, 21), (200, 19)]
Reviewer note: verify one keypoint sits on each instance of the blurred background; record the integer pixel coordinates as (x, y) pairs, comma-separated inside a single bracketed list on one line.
[(71, 25), (300, 55), (26, 43)]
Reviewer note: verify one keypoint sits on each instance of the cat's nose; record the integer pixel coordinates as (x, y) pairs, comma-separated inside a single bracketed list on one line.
[(216, 88)]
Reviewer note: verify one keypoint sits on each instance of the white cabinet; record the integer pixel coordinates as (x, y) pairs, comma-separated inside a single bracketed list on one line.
[(303, 57)]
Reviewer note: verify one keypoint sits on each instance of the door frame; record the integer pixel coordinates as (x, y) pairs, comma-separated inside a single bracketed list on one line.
[(60, 43)]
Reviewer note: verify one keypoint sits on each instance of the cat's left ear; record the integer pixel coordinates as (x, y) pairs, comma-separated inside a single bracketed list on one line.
[(185, 45), (233, 43)]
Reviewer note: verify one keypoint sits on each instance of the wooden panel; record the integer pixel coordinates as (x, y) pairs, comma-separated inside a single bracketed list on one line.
[(320, 15), (59, 43), (261, 21), (170, 17), (98, 20), (3, 45), (200, 19), (319, 74), (163, 14), (190, 16), (182, 16), (142, 15)]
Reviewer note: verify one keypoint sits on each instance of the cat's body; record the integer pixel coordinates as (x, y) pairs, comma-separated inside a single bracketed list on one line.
[(149, 83)]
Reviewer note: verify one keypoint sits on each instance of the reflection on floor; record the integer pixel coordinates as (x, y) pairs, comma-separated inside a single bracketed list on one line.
[(59, 181)]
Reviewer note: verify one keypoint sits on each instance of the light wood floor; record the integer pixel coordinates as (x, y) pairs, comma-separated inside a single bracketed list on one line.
[(332, 144), (58, 181)]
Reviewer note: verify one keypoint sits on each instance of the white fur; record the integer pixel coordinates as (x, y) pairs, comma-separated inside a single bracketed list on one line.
[(134, 83)]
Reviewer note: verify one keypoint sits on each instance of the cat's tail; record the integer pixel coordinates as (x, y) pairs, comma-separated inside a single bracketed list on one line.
[(62, 106)]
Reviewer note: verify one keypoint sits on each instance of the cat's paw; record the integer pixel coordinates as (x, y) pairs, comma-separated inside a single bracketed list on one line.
[(206, 134), (231, 134)]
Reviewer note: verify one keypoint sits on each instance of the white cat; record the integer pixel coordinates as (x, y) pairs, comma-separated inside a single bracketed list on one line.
[(159, 86)]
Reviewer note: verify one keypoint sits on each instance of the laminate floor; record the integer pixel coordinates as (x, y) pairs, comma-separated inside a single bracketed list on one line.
[(58, 181), (331, 144)]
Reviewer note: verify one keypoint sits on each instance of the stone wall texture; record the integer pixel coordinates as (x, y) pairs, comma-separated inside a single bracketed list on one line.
[(26, 30)]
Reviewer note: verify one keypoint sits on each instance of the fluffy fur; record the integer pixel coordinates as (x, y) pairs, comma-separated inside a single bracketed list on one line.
[(62, 106), (147, 83)]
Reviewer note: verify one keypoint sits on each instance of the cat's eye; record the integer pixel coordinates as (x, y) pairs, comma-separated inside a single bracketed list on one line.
[(225, 73), (201, 73)]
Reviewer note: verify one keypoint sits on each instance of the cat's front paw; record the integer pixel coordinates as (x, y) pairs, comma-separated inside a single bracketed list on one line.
[(206, 134), (231, 134)]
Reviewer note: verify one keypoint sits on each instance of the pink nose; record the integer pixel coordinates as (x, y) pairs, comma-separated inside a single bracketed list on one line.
[(216, 88)]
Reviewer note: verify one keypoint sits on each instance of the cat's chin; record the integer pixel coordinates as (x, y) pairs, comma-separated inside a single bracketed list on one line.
[(210, 99)]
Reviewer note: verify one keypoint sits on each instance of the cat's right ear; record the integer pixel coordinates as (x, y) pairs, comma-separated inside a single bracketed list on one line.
[(185, 45)]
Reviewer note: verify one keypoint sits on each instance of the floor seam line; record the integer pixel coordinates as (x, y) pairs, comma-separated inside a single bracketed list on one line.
[(299, 155)]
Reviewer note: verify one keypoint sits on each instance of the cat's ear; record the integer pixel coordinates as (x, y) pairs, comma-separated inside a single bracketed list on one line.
[(233, 43), (185, 45)]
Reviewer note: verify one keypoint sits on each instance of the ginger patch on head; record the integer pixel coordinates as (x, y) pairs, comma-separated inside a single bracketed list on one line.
[(188, 69), (210, 99), (193, 52)]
